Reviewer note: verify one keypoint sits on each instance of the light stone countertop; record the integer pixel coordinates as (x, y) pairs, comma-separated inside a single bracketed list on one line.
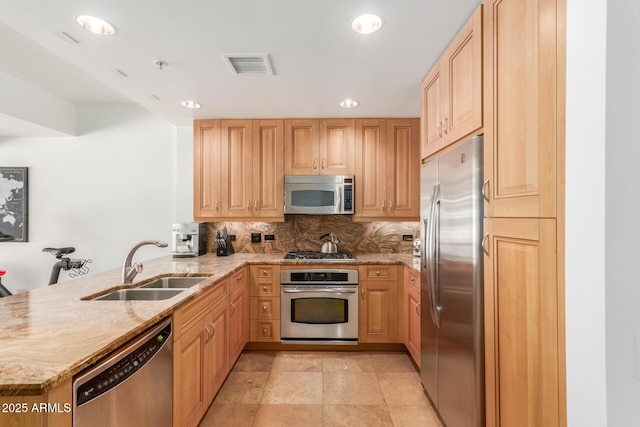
[(49, 334)]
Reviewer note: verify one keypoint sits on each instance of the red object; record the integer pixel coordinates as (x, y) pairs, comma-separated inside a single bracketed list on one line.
[(2, 272)]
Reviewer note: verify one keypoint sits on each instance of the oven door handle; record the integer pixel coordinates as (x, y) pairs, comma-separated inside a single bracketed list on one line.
[(326, 290)]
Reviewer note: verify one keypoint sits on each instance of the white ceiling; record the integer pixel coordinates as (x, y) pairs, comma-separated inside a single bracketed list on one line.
[(317, 59)]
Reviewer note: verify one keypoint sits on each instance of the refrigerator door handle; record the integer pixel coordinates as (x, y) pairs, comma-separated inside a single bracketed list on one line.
[(436, 256), (431, 256)]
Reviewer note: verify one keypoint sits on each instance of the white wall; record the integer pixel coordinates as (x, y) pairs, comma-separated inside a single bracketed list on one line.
[(101, 192), (184, 178), (585, 213), (623, 213)]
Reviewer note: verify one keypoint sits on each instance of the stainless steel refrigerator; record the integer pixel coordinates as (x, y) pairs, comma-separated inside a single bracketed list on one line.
[(452, 349)]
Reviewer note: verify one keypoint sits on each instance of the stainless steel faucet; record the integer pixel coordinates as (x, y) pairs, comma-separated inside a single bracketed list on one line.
[(129, 271)]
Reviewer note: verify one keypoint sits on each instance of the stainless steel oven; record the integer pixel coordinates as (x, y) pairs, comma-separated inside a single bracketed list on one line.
[(319, 306)]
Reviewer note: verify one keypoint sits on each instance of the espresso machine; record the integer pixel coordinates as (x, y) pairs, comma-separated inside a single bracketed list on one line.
[(189, 239)]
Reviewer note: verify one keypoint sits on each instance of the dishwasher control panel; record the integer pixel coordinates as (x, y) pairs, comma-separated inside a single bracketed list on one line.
[(123, 368)]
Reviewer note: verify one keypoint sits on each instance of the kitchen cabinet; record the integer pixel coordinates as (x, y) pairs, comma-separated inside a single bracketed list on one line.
[(17, 410), (199, 354), (264, 314), (523, 155), (378, 308), (387, 169), (521, 322), (522, 129), (238, 170), (412, 313), (451, 93), (238, 314), (319, 147)]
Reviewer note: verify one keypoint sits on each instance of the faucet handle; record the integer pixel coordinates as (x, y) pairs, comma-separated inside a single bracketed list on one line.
[(138, 267)]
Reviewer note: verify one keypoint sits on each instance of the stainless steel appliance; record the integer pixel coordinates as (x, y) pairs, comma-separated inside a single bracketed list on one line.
[(189, 239), (452, 353), (319, 256), (130, 387), (319, 306), (318, 194)]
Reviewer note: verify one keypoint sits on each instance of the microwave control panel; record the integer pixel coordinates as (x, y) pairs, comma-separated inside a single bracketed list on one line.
[(348, 198)]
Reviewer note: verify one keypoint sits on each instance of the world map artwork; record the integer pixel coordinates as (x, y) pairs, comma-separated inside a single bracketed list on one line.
[(13, 202)]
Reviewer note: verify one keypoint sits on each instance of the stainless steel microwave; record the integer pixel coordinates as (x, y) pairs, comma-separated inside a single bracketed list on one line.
[(318, 194)]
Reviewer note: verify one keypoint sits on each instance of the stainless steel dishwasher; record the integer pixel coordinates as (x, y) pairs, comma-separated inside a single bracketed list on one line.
[(130, 387)]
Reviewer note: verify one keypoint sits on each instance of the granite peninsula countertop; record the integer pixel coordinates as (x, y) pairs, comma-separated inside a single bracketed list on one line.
[(49, 334)]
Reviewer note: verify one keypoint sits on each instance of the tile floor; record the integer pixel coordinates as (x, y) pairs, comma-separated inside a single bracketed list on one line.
[(291, 388)]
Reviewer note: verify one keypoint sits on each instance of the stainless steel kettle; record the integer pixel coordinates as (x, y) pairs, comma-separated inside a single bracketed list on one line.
[(330, 244)]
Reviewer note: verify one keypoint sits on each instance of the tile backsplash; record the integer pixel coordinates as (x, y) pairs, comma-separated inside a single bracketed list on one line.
[(302, 232)]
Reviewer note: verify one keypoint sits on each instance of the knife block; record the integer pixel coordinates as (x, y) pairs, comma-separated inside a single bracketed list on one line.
[(225, 251)]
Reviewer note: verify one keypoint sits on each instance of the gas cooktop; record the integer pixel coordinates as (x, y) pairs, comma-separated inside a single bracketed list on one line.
[(319, 256)]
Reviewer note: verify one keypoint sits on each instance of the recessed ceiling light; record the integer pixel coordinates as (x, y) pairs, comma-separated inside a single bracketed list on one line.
[(349, 103), (366, 24), (191, 104), (95, 25)]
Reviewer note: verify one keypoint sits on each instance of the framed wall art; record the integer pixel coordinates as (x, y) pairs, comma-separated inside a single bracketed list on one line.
[(13, 204)]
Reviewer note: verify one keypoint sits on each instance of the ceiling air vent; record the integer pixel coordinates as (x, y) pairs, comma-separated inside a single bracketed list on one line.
[(249, 64)]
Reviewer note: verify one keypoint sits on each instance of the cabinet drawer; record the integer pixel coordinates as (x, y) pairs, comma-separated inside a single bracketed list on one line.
[(265, 289), (265, 330), (378, 272), (263, 272), (412, 279), (238, 278), (265, 308)]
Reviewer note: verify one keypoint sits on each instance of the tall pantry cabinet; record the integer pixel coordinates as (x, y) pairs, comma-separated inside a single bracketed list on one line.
[(524, 79)]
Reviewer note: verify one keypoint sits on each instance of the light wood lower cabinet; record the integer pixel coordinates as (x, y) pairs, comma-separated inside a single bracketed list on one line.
[(238, 313), (264, 311), (378, 308), (412, 313), (16, 411), (200, 354), (521, 323)]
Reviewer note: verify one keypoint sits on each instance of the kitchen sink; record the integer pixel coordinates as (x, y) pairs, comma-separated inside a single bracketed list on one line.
[(173, 283), (138, 294)]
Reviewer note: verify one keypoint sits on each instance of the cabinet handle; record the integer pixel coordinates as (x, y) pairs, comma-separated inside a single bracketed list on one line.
[(255, 205), (264, 331), (315, 163), (383, 205), (264, 308), (390, 205), (217, 205), (485, 194), (438, 129), (323, 162), (233, 309), (485, 249), (239, 278), (206, 328), (418, 311), (264, 288), (264, 272), (213, 329), (248, 204), (444, 126), (377, 272), (413, 279), (362, 291)]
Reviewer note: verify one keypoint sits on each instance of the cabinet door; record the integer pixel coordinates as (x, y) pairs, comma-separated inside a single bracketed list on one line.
[(412, 314), (432, 93), (216, 348), (520, 107), (403, 169), (238, 321), (301, 147), (378, 309), (521, 323), (207, 182), (371, 168), (189, 389), (337, 147), (268, 169), (237, 167), (463, 103)]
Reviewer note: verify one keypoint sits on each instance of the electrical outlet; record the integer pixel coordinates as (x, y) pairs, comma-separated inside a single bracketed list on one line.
[(256, 238), (269, 237), (232, 237), (407, 237)]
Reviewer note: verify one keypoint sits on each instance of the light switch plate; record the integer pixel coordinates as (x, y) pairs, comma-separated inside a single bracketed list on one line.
[(256, 238)]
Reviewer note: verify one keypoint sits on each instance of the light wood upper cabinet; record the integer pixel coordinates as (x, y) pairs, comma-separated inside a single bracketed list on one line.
[(207, 168), (238, 170), (521, 323), (237, 167), (268, 172), (387, 169), (451, 93), (521, 108), (319, 147)]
